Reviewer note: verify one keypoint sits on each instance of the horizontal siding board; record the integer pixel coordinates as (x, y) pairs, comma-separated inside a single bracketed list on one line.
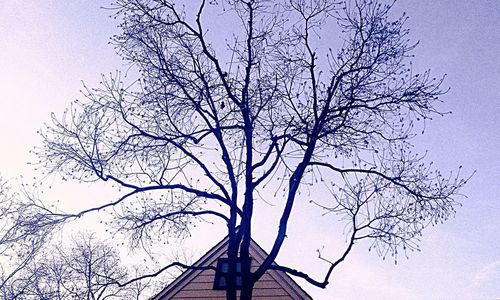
[(204, 277), (267, 284), (196, 286), (209, 277), (261, 284), (224, 298), (200, 297), (269, 292), (213, 293), (273, 297), (266, 277)]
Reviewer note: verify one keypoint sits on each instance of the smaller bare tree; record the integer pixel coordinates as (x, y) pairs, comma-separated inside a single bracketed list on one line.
[(24, 230), (88, 269)]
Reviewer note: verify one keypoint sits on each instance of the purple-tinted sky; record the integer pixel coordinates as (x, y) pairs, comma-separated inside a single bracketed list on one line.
[(49, 46)]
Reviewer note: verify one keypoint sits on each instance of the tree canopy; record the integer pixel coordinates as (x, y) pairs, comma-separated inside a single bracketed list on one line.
[(296, 95)]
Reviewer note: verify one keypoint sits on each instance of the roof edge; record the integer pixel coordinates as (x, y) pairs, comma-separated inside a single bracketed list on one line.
[(215, 252)]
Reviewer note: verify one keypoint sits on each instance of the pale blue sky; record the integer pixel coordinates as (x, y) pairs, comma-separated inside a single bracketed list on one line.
[(49, 46)]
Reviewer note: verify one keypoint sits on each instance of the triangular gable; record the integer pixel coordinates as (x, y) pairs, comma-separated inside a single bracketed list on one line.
[(198, 284)]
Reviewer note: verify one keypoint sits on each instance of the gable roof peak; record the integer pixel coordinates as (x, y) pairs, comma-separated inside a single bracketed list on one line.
[(288, 287)]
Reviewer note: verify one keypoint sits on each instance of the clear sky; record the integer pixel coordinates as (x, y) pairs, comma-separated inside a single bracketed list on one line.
[(49, 46)]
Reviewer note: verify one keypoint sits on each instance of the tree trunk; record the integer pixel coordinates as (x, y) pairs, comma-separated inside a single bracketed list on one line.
[(247, 291)]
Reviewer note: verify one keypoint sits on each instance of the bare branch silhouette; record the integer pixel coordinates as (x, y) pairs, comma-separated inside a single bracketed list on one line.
[(206, 127)]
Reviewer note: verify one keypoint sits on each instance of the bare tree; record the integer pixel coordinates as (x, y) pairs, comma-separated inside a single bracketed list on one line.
[(206, 128), (24, 230), (88, 269)]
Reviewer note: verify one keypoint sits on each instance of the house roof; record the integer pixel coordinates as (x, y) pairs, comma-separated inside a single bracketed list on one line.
[(197, 284)]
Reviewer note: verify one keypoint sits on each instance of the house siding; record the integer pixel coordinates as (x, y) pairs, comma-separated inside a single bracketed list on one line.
[(198, 284), (201, 287)]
